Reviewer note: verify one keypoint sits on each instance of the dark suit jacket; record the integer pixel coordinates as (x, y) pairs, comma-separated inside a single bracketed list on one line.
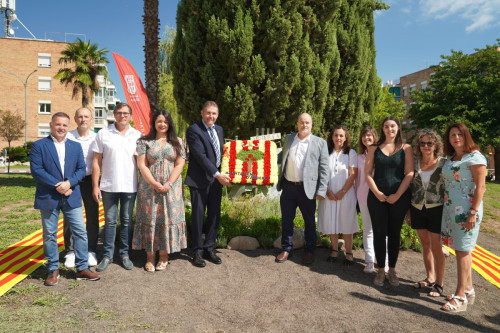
[(316, 171), (46, 170), (202, 158)]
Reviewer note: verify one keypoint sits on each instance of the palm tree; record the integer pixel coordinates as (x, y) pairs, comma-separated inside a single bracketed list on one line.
[(151, 42), (88, 62)]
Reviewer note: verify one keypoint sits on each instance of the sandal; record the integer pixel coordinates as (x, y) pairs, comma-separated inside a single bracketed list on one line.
[(162, 263), (347, 262), (420, 284), (332, 258), (149, 267), (458, 307), (471, 296), (436, 291)]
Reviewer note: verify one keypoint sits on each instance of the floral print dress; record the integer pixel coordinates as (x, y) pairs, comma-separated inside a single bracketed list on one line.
[(160, 220), (459, 192)]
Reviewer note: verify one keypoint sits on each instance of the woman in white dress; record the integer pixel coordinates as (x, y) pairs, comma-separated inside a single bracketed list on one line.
[(337, 214)]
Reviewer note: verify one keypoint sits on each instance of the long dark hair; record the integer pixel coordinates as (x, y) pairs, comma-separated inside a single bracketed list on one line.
[(171, 135), (469, 145), (347, 143), (366, 129), (398, 142)]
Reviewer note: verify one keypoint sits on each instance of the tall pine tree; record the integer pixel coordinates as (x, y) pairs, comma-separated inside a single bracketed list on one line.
[(265, 62)]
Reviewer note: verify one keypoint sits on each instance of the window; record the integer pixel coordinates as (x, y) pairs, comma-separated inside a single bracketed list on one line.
[(44, 59), (405, 91), (424, 85), (44, 83), (43, 130), (100, 115), (404, 105), (111, 92), (44, 107), (99, 96)]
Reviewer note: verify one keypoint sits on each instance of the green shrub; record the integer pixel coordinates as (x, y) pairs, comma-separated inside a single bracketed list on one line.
[(269, 227), (18, 154)]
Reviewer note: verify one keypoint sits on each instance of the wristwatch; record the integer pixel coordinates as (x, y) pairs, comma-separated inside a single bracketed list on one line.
[(472, 211), (170, 183)]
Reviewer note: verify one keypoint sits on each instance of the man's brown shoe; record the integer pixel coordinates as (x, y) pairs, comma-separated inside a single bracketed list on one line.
[(87, 274), (308, 258), (52, 278), (283, 256)]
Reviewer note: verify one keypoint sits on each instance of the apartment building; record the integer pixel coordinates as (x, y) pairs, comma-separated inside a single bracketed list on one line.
[(45, 95)]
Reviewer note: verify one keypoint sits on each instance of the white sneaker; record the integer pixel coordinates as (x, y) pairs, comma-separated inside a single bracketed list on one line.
[(70, 260), (386, 269), (92, 259), (368, 268)]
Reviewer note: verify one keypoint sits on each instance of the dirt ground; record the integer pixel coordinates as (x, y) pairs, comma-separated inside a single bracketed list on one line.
[(249, 292)]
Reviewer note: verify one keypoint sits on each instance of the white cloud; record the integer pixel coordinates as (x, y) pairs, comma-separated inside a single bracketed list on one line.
[(479, 14)]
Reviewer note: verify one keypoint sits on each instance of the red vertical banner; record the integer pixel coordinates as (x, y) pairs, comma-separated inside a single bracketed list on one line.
[(135, 94)]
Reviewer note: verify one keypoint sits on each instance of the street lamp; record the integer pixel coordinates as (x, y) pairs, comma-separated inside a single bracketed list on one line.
[(25, 84)]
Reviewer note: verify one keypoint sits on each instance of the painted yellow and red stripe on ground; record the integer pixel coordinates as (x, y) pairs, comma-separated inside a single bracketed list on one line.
[(20, 259), (485, 263)]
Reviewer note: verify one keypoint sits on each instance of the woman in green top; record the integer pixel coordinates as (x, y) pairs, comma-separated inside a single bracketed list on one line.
[(391, 160), (427, 198)]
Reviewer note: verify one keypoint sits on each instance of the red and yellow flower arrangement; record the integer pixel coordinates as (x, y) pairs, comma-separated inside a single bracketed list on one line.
[(250, 162)]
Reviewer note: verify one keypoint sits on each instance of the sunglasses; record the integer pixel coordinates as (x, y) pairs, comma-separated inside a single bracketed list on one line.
[(428, 143)]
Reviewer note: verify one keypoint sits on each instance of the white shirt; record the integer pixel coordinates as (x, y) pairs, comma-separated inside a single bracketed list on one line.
[(61, 152), (209, 129), (296, 159), (119, 167), (85, 142)]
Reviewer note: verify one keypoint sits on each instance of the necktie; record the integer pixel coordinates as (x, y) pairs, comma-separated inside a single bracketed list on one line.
[(215, 144)]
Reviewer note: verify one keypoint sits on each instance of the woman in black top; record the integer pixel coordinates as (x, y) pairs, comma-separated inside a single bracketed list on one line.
[(391, 160)]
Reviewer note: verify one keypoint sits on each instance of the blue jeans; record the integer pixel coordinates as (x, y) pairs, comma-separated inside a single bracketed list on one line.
[(73, 216), (110, 204)]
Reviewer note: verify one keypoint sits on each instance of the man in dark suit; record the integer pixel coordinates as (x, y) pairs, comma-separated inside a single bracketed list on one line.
[(205, 142), (304, 179), (58, 166)]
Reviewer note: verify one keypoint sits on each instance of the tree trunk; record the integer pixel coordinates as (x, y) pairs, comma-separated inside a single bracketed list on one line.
[(8, 164), (151, 43), (85, 97), (496, 158)]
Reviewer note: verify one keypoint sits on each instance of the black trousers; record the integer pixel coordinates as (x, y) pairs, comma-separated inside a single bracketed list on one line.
[(91, 214), (208, 198), (387, 220)]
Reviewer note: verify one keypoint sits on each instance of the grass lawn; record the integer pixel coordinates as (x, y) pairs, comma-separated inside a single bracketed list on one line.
[(18, 219)]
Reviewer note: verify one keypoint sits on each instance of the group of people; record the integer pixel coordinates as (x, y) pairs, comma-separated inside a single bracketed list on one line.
[(440, 197)]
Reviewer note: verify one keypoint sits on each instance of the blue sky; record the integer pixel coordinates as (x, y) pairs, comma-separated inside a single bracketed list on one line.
[(409, 37)]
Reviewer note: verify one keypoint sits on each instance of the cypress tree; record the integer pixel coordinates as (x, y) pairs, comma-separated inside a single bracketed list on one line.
[(265, 62)]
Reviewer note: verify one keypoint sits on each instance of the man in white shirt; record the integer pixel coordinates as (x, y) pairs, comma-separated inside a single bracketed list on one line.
[(303, 178), (85, 136), (114, 155), (57, 165)]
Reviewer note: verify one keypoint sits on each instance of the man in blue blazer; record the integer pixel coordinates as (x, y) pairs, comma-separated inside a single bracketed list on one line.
[(58, 166), (205, 142), (304, 179)]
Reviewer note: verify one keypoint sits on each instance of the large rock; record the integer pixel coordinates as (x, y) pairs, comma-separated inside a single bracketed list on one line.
[(243, 243), (298, 239)]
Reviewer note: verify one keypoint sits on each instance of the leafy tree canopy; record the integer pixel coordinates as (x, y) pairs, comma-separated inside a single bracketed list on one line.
[(386, 106), (87, 61), (465, 88)]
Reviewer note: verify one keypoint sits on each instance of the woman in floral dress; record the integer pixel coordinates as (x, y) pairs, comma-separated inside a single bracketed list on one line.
[(160, 223), (464, 175)]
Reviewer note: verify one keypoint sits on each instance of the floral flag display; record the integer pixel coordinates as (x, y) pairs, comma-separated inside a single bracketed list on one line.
[(252, 162)]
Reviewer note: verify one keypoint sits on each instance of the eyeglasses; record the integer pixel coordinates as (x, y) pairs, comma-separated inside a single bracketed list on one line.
[(122, 114), (428, 143)]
